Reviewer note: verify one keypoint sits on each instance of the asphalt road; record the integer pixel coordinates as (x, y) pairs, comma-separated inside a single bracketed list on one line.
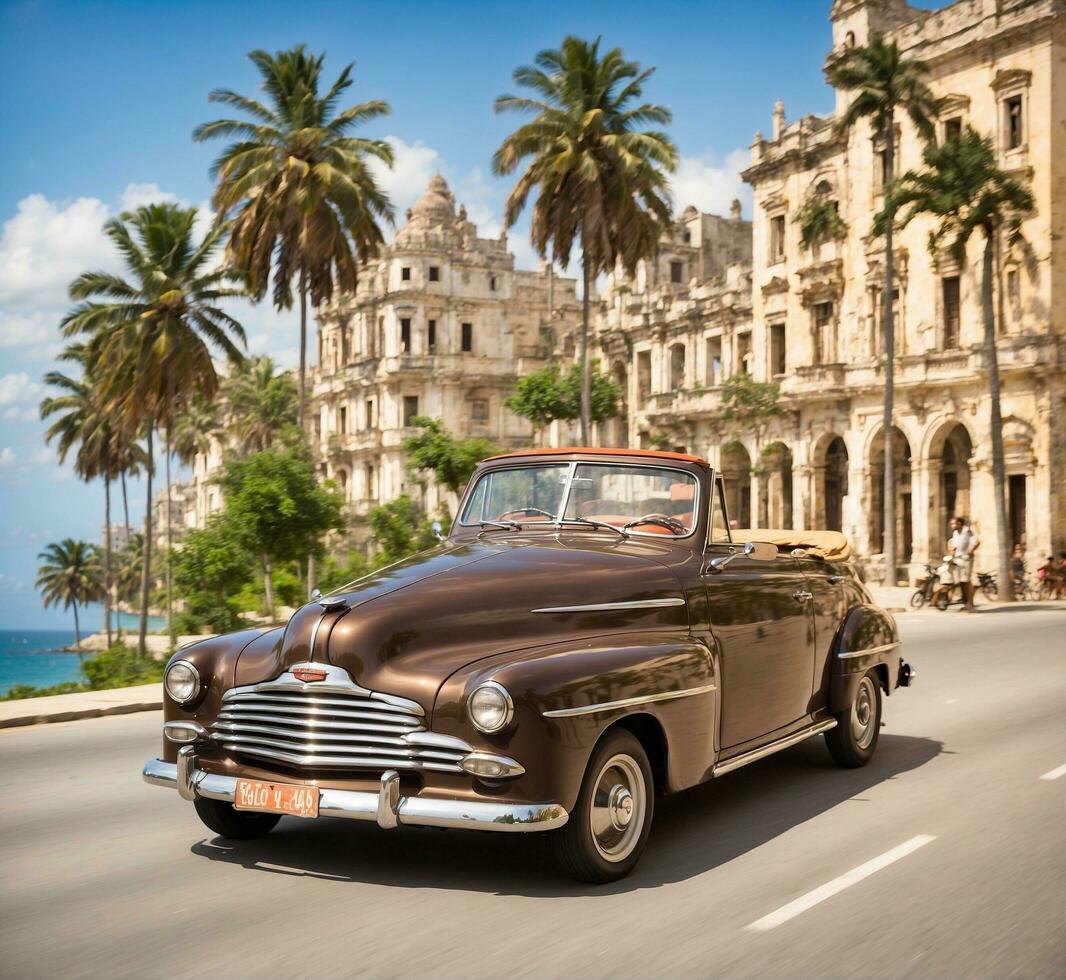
[(945, 856)]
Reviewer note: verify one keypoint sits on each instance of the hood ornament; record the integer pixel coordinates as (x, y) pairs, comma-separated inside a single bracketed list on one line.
[(309, 675)]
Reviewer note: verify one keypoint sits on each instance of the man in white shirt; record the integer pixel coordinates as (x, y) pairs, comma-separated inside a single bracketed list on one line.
[(963, 544)]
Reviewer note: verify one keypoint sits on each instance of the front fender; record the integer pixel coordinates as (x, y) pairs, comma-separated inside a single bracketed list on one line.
[(552, 687), (867, 639)]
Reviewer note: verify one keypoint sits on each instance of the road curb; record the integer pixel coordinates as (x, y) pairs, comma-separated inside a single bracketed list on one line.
[(87, 704)]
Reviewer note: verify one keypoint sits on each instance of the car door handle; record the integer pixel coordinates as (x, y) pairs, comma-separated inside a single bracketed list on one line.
[(802, 596)]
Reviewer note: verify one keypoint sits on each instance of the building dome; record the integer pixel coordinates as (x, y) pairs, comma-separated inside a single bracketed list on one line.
[(437, 202)]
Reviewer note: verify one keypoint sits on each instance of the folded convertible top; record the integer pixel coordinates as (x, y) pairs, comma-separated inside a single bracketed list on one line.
[(830, 545)]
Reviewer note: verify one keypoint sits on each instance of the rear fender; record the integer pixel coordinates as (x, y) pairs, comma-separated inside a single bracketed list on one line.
[(867, 640)]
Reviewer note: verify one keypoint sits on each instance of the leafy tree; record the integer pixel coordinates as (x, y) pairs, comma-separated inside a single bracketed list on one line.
[(451, 460), (153, 336), (399, 529), (278, 509), (600, 176), (962, 187), (304, 202), (886, 83), (819, 220), (547, 395), (210, 568), (70, 575), (264, 406), (750, 405), (336, 573)]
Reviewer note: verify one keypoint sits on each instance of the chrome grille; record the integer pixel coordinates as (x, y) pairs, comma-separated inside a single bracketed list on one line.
[(332, 724)]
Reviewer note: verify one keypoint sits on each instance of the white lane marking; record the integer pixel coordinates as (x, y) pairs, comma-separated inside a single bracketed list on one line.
[(1055, 773), (846, 880)]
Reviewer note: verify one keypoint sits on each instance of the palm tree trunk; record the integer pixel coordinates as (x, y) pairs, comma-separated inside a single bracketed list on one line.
[(125, 502), (77, 629), (268, 586), (170, 546), (586, 374), (142, 632), (303, 351), (999, 478), (107, 558), (888, 320)]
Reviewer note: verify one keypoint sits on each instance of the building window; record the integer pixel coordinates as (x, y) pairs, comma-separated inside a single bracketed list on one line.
[(410, 409), (714, 361), (744, 359), (370, 478), (468, 338), (777, 348), (677, 271), (479, 410), (405, 273), (777, 238), (1014, 294), (1012, 121), (342, 420), (431, 337), (952, 128), (434, 273), (951, 312), (677, 367), (369, 416), (643, 377), (823, 333), (492, 283), (405, 335)]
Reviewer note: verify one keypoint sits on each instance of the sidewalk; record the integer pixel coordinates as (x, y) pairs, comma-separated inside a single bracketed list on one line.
[(87, 704)]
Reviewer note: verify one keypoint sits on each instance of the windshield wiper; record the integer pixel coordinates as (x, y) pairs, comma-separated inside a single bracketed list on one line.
[(506, 525), (585, 520)]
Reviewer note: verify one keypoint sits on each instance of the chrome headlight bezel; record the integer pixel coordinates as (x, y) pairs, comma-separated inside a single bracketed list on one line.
[(184, 665), (503, 698)]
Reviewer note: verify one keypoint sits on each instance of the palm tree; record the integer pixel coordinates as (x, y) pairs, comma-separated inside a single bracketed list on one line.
[(966, 192), (82, 422), (600, 176), (155, 333), (303, 199), (196, 429), (819, 220), (886, 82), (70, 574), (263, 405)]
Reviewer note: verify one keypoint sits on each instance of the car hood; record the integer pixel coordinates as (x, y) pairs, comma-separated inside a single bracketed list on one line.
[(406, 628)]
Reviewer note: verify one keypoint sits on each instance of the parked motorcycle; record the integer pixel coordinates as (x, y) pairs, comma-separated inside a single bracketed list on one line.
[(926, 588)]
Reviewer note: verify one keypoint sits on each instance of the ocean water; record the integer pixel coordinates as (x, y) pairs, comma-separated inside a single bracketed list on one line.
[(33, 657)]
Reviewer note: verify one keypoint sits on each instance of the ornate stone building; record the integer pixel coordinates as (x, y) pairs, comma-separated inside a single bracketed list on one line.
[(813, 324), (442, 325)]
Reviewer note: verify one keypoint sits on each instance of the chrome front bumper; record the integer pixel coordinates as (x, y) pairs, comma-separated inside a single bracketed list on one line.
[(387, 808)]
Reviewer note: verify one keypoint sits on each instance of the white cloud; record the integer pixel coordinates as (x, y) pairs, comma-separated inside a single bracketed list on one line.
[(43, 457), (7, 457), (415, 164), (18, 388), (711, 184), (136, 195)]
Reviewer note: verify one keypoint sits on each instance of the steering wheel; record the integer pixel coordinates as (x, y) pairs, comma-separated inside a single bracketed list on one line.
[(671, 524), (525, 512)]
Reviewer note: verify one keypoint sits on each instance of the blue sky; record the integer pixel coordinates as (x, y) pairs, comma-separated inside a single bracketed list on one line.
[(100, 100)]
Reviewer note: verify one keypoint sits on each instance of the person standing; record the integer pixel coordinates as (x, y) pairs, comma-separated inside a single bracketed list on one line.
[(964, 542)]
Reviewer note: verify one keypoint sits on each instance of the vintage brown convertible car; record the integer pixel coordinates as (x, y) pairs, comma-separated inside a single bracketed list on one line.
[(589, 634)]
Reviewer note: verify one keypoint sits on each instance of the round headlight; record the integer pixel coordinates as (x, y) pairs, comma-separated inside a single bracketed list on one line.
[(490, 707), (181, 681)]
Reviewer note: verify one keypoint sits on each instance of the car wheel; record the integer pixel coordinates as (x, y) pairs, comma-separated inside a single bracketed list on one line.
[(226, 821), (605, 835), (853, 741)]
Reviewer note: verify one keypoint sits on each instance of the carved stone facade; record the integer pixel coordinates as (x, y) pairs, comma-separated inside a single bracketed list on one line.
[(442, 325), (812, 315)]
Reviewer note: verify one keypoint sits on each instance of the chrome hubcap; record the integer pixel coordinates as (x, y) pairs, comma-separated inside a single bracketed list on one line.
[(617, 807), (863, 714)]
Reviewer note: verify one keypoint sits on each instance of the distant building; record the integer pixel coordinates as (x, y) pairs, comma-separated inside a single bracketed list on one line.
[(120, 536)]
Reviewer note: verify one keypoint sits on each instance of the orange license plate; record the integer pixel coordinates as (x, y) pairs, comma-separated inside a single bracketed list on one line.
[(295, 801)]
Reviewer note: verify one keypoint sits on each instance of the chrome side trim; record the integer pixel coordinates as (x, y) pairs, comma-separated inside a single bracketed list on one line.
[(782, 743), (591, 709), (608, 606), (883, 648), (409, 810)]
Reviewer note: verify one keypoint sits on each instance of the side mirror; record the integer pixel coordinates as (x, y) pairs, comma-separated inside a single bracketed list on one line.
[(755, 550), (438, 530)]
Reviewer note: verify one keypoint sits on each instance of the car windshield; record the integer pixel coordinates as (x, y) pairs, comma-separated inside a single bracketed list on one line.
[(637, 499)]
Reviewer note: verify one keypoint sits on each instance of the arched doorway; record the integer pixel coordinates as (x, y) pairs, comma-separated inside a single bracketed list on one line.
[(835, 487), (955, 456), (901, 452), (736, 475), (775, 485)]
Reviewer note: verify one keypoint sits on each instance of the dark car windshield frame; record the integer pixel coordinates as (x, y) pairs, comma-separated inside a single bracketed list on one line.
[(559, 521)]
